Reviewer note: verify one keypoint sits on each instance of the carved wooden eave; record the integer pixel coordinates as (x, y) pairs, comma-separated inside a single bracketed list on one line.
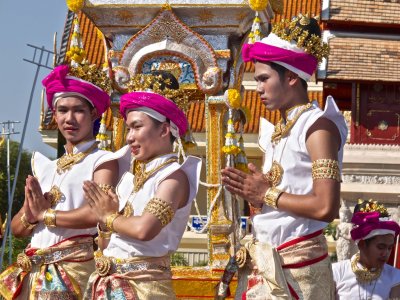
[(203, 16)]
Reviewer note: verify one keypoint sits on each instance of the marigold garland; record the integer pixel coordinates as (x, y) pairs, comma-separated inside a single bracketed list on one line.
[(258, 5), (75, 5), (233, 98)]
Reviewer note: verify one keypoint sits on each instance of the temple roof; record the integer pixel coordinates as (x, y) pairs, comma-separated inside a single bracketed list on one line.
[(363, 58), (93, 45), (363, 11)]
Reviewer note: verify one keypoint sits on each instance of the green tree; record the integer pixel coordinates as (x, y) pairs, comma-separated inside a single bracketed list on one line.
[(24, 171)]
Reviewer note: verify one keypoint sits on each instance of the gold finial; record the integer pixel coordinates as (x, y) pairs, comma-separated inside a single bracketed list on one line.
[(304, 19), (166, 6)]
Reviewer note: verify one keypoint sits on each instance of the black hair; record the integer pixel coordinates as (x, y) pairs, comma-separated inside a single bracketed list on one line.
[(281, 70)]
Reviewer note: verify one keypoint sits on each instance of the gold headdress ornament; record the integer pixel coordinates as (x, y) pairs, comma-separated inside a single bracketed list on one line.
[(371, 206), (158, 84), (290, 31)]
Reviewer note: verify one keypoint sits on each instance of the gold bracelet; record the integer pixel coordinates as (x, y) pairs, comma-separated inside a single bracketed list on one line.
[(106, 187), (26, 224), (325, 169), (271, 197), (49, 217), (161, 209), (103, 234), (110, 220)]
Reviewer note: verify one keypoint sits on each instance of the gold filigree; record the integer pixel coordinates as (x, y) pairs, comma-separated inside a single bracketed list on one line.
[(364, 275), (271, 197), (24, 262), (289, 31), (275, 174), (241, 256), (103, 265), (56, 195), (67, 161), (25, 223), (141, 176), (161, 209), (93, 74), (325, 169), (371, 206), (282, 129), (128, 210), (110, 220)]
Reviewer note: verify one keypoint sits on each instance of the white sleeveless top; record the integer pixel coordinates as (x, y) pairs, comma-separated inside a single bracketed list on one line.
[(347, 286), (168, 239), (275, 226), (71, 185)]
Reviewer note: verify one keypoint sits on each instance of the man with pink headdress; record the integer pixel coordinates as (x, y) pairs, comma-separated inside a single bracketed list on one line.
[(367, 275), (60, 257), (143, 222), (298, 191)]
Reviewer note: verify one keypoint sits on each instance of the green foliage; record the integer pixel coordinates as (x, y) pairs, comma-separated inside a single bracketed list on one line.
[(18, 245), (330, 230), (177, 259), (201, 263), (24, 171)]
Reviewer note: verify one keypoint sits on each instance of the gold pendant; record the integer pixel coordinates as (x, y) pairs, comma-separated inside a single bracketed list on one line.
[(128, 210), (275, 174), (56, 194)]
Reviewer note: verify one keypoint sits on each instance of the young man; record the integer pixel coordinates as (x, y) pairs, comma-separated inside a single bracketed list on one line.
[(298, 192), (145, 221), (59, 259), (366, 275)]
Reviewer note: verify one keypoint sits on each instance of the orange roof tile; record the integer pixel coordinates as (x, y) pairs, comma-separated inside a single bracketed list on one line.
[(357, 58), (365, 11)]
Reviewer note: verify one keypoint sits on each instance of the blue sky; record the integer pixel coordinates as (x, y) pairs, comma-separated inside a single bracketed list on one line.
[(21, 23)]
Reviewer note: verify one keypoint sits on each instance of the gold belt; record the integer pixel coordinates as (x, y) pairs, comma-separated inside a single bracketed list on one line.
[(106, 265), (47, 256)]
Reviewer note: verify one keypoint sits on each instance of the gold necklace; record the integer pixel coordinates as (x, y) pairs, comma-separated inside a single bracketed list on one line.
[(141, 176), (65, 163), (282, 129), (274, 175), (364, 275)]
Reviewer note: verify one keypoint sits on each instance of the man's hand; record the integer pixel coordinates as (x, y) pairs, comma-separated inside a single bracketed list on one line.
[(36, 202), (250, 186), (101, 203)]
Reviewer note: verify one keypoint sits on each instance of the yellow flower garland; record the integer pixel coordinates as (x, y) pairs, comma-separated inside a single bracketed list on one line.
[(258, 5), (75, 5)]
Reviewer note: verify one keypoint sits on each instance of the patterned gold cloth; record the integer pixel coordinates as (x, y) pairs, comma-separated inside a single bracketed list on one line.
[(299, 269), (144, 278), (58, 272)]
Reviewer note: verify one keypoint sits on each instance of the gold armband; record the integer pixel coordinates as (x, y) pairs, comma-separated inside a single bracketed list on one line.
[(26, 224), (106, 187), (110, 220), (103, 234), (49, 217), (325, 169), (161, 209), (271, 197)]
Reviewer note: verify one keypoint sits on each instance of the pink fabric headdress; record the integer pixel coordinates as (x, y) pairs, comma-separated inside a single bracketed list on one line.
[(154, 101), (274, 49), (368, 224), (58, 84)]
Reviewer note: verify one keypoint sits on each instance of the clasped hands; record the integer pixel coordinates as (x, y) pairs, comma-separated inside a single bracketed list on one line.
[(250, 186), (36, 203), (102, 204)]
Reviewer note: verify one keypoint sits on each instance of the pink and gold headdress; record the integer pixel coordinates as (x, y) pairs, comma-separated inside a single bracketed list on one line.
[(291, 45), (372, 219)]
